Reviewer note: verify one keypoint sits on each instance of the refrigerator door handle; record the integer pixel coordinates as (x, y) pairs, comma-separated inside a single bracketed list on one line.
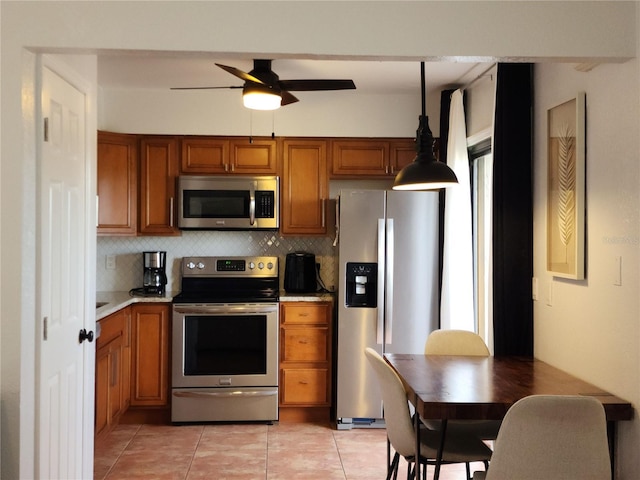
[(381, 281), (388, 280)]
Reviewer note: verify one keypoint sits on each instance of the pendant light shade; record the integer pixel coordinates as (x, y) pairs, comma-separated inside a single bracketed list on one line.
[(425, 172)]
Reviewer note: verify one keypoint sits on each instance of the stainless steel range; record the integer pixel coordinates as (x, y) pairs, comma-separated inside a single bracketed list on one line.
[(225, 340)]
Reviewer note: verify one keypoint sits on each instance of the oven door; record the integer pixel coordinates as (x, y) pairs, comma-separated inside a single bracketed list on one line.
[(225, 345)]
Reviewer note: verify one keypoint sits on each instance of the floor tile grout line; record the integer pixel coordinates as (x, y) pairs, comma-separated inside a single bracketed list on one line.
[(124, 449), (193, 455), (335, 443)]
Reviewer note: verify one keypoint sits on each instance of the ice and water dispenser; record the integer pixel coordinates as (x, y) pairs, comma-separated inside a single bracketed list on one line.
[(362, 285)]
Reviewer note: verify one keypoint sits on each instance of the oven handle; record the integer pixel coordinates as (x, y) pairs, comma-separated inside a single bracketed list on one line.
[(224, 309), (235, 393)]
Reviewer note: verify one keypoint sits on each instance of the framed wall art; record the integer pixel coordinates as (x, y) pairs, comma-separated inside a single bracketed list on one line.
[(566, 130)]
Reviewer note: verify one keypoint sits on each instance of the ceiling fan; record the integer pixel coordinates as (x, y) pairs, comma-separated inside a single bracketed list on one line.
[(263, 89)]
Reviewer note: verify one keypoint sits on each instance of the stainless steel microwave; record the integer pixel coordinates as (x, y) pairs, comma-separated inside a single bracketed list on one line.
[(228, 202)]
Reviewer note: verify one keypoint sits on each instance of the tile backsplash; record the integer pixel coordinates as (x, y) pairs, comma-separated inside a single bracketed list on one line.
[(127, 252)]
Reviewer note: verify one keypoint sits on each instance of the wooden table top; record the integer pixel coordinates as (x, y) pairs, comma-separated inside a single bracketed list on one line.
[(466, 388)]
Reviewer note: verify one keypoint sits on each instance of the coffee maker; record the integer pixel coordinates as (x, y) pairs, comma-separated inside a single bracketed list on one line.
[(154, 276)]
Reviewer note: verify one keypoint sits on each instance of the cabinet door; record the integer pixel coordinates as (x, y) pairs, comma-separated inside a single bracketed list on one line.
[(402, 153), (112, 370), (117, 184), (149, 354), (359, 157), (255, 157), (158, 173), (102, 390), (304, 188), (204, 155)]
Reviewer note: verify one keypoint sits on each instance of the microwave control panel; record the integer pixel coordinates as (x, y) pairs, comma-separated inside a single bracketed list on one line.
[(265, 204)]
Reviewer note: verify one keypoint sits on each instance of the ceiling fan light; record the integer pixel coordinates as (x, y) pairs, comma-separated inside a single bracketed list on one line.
[(259, 97)]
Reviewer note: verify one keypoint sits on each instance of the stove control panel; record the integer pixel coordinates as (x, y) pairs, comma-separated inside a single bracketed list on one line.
[(230, 266)]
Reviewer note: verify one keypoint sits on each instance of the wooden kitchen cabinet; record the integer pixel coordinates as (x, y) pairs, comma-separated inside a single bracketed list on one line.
[(113, 370), (150, 354), (401, 154), (373, 157), (117, 184), (228, 155), (305, 354), (158, 177), (304, 187)]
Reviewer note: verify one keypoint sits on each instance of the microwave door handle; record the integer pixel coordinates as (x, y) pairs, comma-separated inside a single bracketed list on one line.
[(252, 204)]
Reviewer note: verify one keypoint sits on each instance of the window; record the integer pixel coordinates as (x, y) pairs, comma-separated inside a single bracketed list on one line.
[(481, 161)]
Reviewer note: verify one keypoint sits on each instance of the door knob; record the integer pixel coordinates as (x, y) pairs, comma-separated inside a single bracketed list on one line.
[(84, 335)]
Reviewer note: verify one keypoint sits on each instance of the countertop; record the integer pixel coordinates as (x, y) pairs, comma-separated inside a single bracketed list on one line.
[(114, 301)]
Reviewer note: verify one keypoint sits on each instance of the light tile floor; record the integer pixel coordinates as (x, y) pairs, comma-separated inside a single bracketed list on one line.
[(248, 451)]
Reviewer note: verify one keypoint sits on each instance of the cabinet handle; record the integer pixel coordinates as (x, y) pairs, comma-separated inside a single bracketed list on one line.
[(226, 167), (114, 370), (324, 200), (171, 212), (303, 314), (303, 342), (302, 382)]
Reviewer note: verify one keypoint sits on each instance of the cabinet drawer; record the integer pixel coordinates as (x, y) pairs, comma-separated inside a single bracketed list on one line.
[(305, 344), (306, 313), (305, 386), (113, 326)]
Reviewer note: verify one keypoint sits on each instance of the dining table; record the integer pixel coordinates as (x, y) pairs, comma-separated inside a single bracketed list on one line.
[(457, 387)]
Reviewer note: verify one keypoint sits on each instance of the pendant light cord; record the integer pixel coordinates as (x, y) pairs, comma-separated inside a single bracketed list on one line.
[(424, 95)]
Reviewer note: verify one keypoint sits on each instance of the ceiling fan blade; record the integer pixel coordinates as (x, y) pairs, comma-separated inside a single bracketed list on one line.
[(287, 98), (312, 85), (204, 88), (240, 74)]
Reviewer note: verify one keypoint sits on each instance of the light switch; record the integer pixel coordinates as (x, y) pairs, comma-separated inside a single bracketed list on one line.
[(111, 262), (534, 288), (617, 271)]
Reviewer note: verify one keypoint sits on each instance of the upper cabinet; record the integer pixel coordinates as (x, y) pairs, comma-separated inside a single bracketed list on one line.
[(372, 157), (226, 155), (158, 174), (304, 187), (117, 184)]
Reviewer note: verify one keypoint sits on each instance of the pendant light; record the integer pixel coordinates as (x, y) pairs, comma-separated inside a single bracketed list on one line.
[(425, 172)]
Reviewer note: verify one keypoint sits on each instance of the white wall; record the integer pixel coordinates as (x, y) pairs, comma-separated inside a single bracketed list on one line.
[(573, 31), (592, 327), (215, 112)]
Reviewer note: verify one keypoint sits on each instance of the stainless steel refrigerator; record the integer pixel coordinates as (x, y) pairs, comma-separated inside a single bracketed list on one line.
[(388, 283)]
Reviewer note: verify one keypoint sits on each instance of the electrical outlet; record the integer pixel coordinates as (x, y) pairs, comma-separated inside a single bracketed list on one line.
[(111, 262)]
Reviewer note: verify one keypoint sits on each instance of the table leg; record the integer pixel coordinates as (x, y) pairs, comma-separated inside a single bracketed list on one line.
[(443, 435), (416, 427), (611, 436)]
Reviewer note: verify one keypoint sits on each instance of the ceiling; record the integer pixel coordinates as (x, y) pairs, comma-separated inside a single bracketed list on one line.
[(163, 71)]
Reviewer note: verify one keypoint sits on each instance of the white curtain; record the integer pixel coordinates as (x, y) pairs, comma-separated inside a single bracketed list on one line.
[(457, 311)]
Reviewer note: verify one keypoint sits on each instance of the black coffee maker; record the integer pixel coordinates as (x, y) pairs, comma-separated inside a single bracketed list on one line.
[(154, 276)]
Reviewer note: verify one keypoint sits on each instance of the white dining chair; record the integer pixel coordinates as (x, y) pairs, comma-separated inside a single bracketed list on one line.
[(461, 342), (551, 437), (401, 432)]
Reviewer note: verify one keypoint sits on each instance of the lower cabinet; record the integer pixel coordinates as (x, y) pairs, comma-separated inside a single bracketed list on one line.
[(305, 356), (113, 370), (132, 367), (150, 355)]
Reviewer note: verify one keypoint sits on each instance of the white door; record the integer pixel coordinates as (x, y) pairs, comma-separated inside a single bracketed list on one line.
[(61, 280)]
